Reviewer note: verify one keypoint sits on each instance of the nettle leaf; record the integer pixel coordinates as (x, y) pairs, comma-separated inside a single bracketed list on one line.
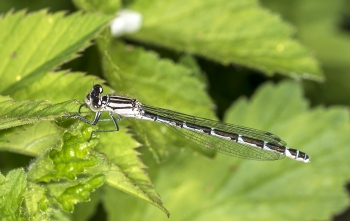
[(230, 189), (76, 191), (12, 189), (60, 86), (315, 19), (74, 156), (17, 113), (36, 43), (67, 163), (123, 169), (38, 204), (157, 82), (30, 139), (227, 31), (5, 98), (69, 158)]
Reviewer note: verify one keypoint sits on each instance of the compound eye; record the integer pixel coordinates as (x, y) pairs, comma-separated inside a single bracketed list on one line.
[(97, 88), (96, 103)]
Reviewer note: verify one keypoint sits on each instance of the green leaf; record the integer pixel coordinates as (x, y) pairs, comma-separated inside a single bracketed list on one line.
[(191, 63), (226, 31), (157, 82), (108, 7), (59, 86), (30, 139), (12, 189), (67, 163), (315, 19), (43, 41), (69, 158), (36, 201), (38, 204), (4, 98), (76, 191), (123, 169), (109, 202), (119, 165), (16, 113), (230, 189), (85, 211)]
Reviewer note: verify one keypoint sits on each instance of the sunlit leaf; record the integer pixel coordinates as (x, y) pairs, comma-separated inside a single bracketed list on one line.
[(124, 170), (67, 163), (70, 157), (239, 32), (12, 189), (59, 86), (36, 43), (16, 113), (31, 139)]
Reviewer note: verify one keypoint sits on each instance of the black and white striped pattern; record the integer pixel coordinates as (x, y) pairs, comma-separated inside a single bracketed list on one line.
[(225, 138), (249, 144)]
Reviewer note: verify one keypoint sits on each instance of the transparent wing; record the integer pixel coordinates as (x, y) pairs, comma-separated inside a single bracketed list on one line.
[(226, 146), (222, 145)]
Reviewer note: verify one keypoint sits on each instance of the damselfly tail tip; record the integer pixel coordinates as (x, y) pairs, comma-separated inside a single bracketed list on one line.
[(308, 160), (296, 155), (303, 157)]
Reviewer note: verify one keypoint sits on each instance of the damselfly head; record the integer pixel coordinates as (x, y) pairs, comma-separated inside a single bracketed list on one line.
[(93, 98), (97, 89)]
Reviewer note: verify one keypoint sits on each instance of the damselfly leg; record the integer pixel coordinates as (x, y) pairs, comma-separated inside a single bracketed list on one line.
[(97, 119)]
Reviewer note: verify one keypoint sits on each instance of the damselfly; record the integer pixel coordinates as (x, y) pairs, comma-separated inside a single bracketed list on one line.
[(225, 138)]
